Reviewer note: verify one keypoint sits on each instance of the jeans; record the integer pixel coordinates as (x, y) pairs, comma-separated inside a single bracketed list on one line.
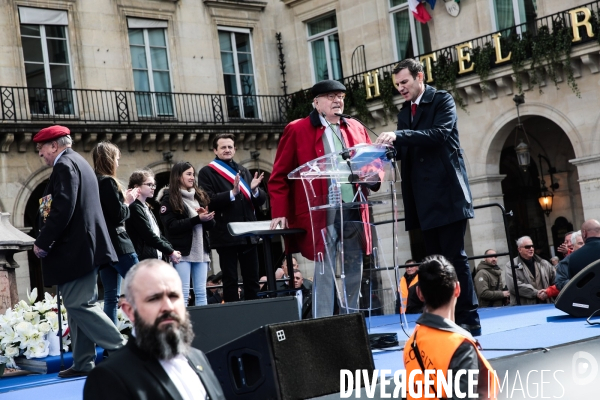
[(198, 271), (112, 282)]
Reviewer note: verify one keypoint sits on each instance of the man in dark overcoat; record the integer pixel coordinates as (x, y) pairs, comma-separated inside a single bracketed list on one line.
[(435, 187)]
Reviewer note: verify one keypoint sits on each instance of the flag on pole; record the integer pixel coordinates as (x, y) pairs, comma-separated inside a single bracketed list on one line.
[(419, 11), (431, 3), (421, 14)]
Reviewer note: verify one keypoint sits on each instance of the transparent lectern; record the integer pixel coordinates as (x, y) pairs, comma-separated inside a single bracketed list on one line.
[(350, 261)]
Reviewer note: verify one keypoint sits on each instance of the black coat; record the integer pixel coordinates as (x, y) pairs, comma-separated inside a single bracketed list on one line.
[(435, 187), (145, 241), (227, 211), (74, 233), (179, 226), (132, 374), (116, 213)]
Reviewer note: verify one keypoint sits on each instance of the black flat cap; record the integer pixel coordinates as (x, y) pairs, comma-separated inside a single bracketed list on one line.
[(327, 86)]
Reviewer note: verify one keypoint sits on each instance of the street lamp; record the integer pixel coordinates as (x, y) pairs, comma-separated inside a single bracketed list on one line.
[(546, 196), (522, 149)]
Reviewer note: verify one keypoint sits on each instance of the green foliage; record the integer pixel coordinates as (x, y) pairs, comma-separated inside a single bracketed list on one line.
[(484, 59), (551, 53), (387, 91), (299, 105), (444, 73), (521, 51), (356, 99)]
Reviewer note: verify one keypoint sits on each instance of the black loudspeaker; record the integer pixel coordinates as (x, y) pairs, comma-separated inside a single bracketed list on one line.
[(217, 324), (297, 360), (580, 297)]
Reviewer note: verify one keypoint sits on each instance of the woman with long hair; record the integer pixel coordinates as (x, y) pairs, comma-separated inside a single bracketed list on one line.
[(185, 217), (115, 206), (142, 226)]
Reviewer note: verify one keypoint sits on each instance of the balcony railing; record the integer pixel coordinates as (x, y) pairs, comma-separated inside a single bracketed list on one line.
[(508, 36), (130, 107)]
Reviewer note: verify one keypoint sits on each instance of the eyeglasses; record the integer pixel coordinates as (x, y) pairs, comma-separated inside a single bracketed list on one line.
[(333, 96), (150, 185), (528, 247), (39, 146)]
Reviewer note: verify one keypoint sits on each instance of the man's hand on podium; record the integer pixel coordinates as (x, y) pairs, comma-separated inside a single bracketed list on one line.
[(275, 222)]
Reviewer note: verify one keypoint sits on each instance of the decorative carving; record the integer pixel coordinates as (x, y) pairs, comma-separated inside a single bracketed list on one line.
[(260, 139), (200, 140), (161, 140), (147, 139), (188, 138), (23, 139), (132, 140), (118, 139), (273, 140), (591, 61), (474, 91), (89, 140), (174, 140), (505, 83), (6, 140), (250, 138)]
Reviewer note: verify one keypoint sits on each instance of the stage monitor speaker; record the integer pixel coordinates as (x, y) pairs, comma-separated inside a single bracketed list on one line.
[(580, 297), (296, 360), (217, 324)]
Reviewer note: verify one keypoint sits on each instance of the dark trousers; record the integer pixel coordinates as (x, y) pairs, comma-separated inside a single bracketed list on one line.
[(248, 258), (449, 241)]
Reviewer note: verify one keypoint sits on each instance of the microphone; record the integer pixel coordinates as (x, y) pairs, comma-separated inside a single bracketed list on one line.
[(358, 120), (390, 153)]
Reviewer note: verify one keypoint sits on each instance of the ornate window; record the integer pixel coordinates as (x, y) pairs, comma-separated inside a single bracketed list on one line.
[(45, 41), (324, 44), (150, 63), (411, 37), (238, 72)]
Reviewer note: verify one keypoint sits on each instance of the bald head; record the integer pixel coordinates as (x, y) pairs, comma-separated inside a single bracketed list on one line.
[(138, 274), (590, 228)]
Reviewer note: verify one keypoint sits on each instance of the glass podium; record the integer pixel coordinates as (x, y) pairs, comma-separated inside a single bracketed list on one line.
[(349, 259)]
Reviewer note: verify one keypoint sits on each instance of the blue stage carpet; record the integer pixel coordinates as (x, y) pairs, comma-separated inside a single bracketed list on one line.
[(522, 327)]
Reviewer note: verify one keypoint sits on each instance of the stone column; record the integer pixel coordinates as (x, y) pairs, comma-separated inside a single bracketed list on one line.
[(588, 169)]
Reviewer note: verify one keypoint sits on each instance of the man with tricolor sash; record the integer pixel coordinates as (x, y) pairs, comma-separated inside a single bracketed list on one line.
[(234, 196)]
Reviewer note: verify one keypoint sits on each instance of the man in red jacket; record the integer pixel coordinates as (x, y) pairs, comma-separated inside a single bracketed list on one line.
[(303, 140)]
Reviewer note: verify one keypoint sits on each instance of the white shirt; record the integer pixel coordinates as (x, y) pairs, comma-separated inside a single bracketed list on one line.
[(186, 380), (58, 156)]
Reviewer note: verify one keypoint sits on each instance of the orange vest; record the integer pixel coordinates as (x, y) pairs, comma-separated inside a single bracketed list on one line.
[(404, 292), (437, 348)]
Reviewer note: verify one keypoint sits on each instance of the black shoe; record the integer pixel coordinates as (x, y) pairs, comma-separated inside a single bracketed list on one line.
[(475, 330), (72, 373)]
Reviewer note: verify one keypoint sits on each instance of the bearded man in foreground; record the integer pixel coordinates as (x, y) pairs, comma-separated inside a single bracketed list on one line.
[(158, 362)]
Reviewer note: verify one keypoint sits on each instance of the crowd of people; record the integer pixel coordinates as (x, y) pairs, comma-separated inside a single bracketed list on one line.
[(92, 224)]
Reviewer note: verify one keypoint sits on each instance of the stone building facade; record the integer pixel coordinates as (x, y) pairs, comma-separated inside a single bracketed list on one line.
[(160, 78)]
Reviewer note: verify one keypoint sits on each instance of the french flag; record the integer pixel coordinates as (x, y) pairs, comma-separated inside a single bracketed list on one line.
[(419, 11)]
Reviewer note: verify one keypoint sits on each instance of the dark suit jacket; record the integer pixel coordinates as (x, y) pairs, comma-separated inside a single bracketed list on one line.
[(133, 374), (145, 241), (74, 233), (227, 211), (435, 187), (116, 213)]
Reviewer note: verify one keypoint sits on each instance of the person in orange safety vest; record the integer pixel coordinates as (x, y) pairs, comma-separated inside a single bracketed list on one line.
[(439, 344)]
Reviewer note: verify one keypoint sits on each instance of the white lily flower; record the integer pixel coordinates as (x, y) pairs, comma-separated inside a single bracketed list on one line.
[(44, 327), (39, 349), (32, 297)]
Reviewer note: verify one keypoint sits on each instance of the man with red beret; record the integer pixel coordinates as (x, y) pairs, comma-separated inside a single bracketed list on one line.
[(73, 241)]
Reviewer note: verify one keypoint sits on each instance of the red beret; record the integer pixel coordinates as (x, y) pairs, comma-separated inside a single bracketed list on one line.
[(51, 133)]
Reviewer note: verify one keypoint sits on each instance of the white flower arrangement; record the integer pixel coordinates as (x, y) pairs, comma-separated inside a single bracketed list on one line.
[(24, 328)]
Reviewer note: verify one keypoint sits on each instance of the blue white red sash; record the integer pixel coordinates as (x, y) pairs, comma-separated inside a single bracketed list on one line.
[(229, 174)]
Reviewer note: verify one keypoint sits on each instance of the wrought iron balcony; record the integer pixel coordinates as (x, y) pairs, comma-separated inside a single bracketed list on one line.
[(507, 36), (22, 104)]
